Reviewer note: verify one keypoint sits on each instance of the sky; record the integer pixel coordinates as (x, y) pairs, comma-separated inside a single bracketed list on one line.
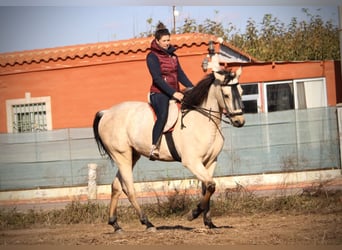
[(28, 27)]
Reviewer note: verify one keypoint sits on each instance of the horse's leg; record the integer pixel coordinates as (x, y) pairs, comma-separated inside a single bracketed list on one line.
[(116, 192), (206, 213), (208, 188), (126, 172)]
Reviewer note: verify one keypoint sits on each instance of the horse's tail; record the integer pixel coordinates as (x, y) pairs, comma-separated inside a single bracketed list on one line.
[(102, 148)]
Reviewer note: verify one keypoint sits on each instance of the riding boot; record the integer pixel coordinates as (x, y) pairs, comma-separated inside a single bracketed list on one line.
[(154, 154)]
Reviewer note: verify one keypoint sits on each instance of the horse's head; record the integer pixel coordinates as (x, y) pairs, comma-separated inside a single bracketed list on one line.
[(229, 95)]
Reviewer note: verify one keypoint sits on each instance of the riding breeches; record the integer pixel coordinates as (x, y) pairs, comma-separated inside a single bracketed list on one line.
[(160, 104)]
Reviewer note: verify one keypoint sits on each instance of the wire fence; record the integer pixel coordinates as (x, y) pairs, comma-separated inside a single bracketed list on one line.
[(285, 141)]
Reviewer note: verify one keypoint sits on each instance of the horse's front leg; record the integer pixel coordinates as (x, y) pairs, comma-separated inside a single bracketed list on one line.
[(211, 189), (208, 190), (205, 174)]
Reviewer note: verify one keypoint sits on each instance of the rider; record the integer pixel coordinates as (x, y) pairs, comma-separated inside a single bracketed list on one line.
[(166, 72)]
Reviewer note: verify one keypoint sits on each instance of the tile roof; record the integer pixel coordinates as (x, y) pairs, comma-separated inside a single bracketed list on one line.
[(104, 48)]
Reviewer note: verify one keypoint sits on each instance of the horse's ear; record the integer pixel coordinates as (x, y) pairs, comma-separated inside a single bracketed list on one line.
[(236, 78), (238, 72)]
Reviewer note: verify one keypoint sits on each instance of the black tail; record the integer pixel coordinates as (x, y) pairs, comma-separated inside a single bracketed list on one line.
[(100, 145)]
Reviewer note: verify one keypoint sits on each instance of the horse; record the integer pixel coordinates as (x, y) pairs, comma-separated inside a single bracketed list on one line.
[(124, 133)]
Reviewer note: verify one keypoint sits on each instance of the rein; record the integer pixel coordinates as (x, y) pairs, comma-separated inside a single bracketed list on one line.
[(206, 112)]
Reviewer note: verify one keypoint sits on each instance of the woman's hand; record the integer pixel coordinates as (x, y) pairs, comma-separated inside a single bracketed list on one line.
[(178, 96)]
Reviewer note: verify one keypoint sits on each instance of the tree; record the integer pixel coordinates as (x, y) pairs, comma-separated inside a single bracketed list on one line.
[(150, 30), (189, 26), (272, 40)]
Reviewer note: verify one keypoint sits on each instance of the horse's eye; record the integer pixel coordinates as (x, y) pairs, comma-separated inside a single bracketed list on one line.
[(226, 96)]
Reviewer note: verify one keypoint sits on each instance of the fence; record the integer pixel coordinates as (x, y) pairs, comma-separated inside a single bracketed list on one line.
[(283, 141)]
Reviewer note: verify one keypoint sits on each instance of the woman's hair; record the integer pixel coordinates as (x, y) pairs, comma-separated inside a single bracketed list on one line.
[(161, 30)]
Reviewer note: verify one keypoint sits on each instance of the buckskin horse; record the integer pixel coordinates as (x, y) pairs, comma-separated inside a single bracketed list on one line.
[(124, 133)]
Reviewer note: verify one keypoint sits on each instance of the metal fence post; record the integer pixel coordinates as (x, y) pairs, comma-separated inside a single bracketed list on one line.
[(339, 121)]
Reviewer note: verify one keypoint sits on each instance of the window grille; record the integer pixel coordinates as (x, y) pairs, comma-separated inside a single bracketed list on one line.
[(29, 117), (29, 114)]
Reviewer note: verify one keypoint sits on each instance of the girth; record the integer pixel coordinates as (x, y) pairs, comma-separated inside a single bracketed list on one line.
[(171, 145)]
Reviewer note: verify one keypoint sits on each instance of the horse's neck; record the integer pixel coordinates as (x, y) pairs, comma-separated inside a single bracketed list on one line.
[(212, 105)]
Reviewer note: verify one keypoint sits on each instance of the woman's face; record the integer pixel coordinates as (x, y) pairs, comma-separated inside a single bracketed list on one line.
[(164, 42)]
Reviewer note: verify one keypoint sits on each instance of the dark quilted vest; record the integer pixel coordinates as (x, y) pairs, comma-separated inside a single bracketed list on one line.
[(168, 65)]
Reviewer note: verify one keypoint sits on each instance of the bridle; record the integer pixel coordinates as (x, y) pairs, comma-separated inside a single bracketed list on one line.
[(237, 102), (217, 114)]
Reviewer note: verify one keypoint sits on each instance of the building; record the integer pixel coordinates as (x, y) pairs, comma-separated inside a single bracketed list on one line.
[(64, 87), (61, 89)]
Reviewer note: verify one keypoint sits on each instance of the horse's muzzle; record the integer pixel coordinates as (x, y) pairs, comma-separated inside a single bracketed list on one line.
[(237, 119), (238, 123)]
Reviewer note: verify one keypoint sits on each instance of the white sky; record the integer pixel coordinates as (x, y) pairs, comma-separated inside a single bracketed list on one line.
[(36, 27)]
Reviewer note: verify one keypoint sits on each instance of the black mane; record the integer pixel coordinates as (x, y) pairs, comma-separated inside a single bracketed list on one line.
[(198, 94)]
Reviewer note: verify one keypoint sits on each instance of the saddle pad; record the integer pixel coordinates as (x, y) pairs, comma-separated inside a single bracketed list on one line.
[(174, 108), (173, 116)]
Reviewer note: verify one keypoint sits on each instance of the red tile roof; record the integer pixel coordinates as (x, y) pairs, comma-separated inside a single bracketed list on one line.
[(104, 48)]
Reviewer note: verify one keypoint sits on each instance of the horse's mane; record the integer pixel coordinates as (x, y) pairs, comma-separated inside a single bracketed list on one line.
[(198, 94)]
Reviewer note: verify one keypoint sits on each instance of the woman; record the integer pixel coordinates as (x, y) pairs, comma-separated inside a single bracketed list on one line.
[(166, 72)]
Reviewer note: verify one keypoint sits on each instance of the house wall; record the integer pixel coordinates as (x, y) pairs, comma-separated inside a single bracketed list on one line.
[(80, 87), (269, 72)]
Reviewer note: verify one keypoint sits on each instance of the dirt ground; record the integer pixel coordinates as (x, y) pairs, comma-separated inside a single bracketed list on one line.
[(260, 229)]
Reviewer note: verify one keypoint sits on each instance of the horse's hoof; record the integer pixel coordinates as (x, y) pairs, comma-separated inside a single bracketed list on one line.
[(193, 214), (119, 231), (190, 216), (151, 229), (210, 225)]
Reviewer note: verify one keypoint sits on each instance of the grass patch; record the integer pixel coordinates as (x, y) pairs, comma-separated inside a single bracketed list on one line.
[(232, 201), (75, 212), (241, 201)]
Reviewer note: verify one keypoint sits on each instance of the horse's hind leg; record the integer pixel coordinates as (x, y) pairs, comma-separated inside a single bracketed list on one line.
[(126, 180), (116, 192)]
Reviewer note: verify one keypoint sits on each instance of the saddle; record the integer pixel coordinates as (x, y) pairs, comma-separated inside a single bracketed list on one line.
[(172, 118)]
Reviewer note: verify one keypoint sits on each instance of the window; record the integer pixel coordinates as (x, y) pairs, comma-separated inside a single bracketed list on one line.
[(279, 96), (250, 97), (297, 94), (311, 93), (28, 114)]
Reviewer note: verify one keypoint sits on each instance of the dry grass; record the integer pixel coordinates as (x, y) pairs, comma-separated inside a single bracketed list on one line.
[(232, 201)]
